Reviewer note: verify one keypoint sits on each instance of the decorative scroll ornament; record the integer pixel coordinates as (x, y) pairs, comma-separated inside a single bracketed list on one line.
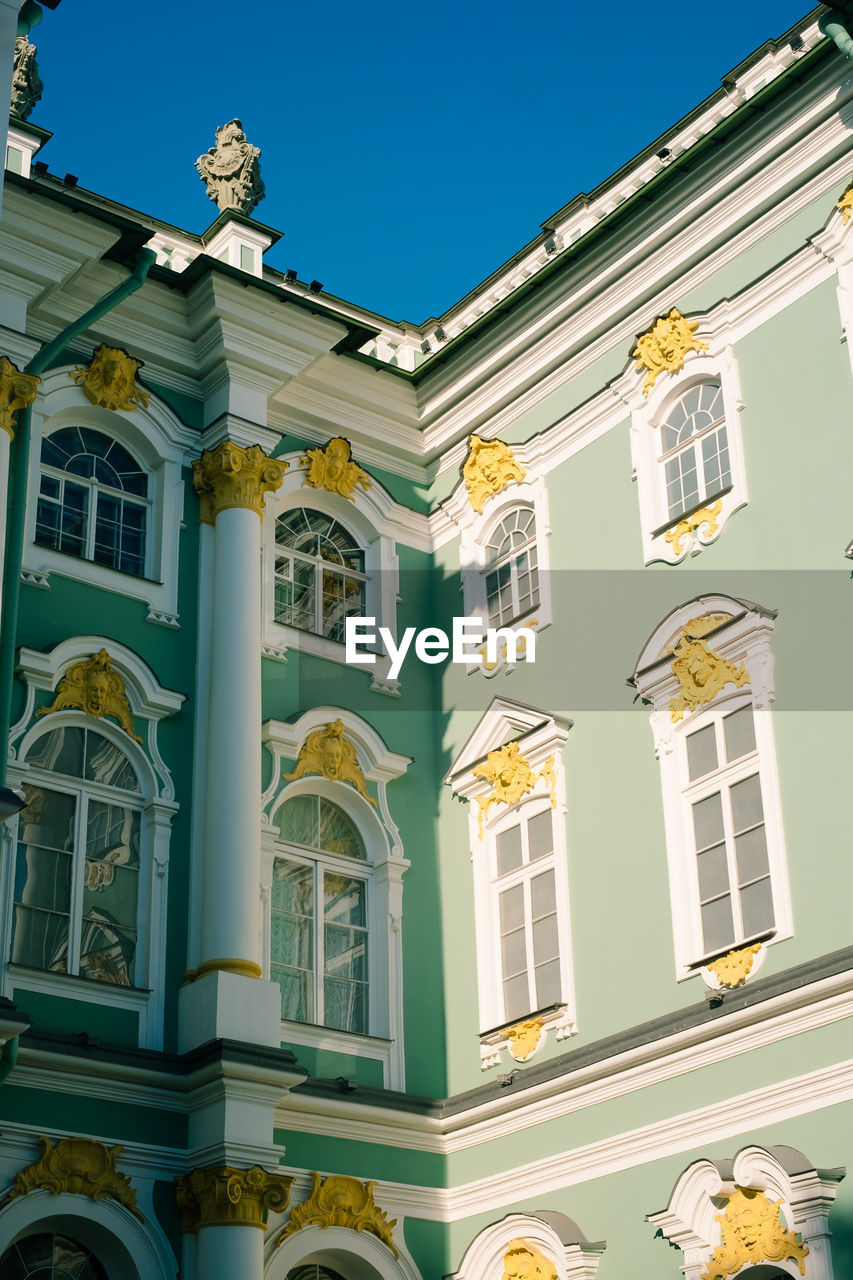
[(752, 1232), (27, 86), (489, 468), (17, 390), (332, 468), (327, 752), (524, 1261), (845, 205), (511, 778), (78, 1167), (733, 969), (94, 687), (524, 1039), (231, 170), (690, 525), (339, 1201), (228, 1197), (700, 672), (663, 347), (230, 476), (110, 379)]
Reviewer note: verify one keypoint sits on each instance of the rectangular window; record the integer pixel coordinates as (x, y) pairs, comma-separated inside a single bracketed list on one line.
[(529, 945)]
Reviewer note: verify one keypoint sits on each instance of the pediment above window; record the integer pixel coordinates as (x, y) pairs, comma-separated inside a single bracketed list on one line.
[(537, 733)]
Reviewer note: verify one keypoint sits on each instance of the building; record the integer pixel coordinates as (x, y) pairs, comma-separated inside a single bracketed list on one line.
[(323, 969)]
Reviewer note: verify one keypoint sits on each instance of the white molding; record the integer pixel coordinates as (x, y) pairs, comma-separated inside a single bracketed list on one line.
[(575, 1257)]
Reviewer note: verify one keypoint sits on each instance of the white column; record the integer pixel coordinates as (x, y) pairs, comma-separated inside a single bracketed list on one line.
[(225, 1209), (17, 390), (230, 1251)]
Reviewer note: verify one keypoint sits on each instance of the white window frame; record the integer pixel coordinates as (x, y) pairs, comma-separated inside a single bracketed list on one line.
[(743, 637), (647, 420), (162, 446), (385, 868), (369, 517), (149, 703), (476, 535)]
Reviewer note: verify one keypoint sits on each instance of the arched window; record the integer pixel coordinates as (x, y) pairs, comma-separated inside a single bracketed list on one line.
[(694, 449), (50, 1257), (311, 1271), (76, 880), (319, 573), (93, 500), (319, 944), (511, 567)]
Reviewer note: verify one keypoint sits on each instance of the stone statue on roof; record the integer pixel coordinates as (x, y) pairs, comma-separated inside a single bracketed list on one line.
[(26, 81), (231, 170)]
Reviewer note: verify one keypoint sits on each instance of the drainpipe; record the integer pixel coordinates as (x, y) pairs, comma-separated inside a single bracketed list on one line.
[(8, 1057), (834, 25), (19, 468)]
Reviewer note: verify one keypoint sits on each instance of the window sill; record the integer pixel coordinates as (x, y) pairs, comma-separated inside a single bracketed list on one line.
[(691, 511), (333, 1040), (524, 1037), (40, 562)]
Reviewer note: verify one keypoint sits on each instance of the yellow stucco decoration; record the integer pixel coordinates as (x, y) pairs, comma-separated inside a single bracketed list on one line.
[(524, 1039), (845, 205), (109, 380), (230, 1197), (332, 468), (700, 672), (231, 476), (511, 778), (752, 1232), (663, 347), (340, 1201), (94, 687), (79, 1167), (489, 468), (17, 390), (708, 516), (326, 751), (734, 968), (524, 1261)]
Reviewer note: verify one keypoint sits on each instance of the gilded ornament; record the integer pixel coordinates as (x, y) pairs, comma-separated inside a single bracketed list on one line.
[(489, 468), (94, 687), (17, 390), (230, 1197), (845, 205), (663, 347), (27, 85), (524, 1039), (691, 524), (78, 1167), (752, 1233), (231, 170), (700, 672), (110, 379), (511, 778), (231, 476), (734, 968), (326, 751), (524, 1261), (340, 1201), (332, 468)]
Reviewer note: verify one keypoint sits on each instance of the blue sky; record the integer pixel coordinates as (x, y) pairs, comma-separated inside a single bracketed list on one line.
[(407, 149)]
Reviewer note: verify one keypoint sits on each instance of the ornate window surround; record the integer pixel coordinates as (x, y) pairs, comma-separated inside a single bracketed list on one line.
[(160, 442), (150, 703), (343, 1249), (743, 635), (781, 1173), (540, 738), (558, 1238), (369, 516), (387, 865), (648, 414)]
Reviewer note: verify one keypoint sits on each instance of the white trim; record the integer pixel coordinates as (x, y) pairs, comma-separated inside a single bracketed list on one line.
[(575, 1257), (357, 1254)]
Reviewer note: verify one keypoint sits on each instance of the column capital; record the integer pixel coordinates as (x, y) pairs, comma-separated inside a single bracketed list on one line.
[(17, 390), (226, 1197), (231, 476)]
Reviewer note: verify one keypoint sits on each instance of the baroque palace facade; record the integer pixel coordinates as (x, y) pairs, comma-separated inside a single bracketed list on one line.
[(314, 969)]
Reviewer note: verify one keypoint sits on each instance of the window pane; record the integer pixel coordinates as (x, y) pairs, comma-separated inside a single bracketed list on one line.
[(546, 943), (516, 997), (345, 900), (702, 752), (543, 894), (756, 905), (548, 985), (708, 821), (297, 993), (59, 751), (106, 949), (293, 888), (746, 803), (298, 821), (292, 937), (345, 1005), (513, 953), (713, 872), (751, 848), (48, 818), (717, 926), (338, 833), (508, 844), (512, 908), (739, 730), (107, 763), (540, 835)]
